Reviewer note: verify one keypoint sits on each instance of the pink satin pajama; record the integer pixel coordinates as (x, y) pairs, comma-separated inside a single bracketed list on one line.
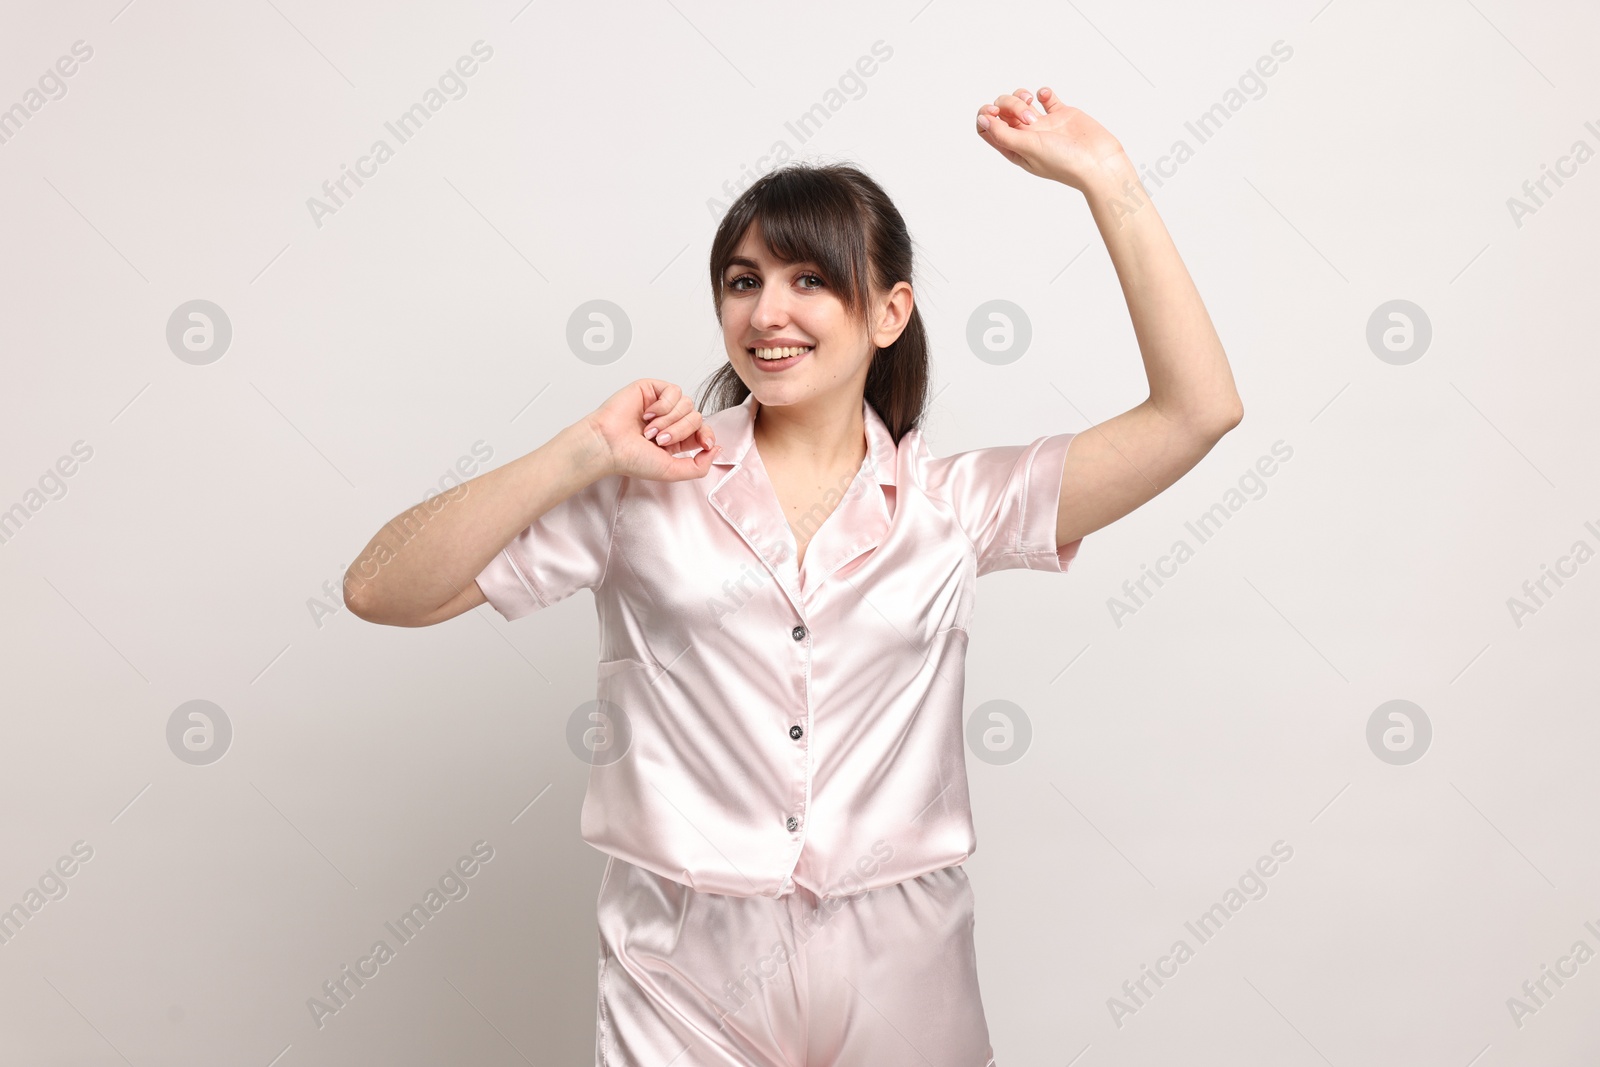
[(879, 979), (774, 732)]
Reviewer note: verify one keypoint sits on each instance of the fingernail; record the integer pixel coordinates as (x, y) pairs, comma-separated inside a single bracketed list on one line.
[(662, 439), (651, 432), (1029, 116), (983, 122)]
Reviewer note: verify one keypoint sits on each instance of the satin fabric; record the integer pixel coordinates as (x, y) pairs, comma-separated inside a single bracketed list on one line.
[(696, 979), (715, 646)]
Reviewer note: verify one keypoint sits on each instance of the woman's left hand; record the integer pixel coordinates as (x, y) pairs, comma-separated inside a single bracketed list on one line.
[(1050, 138)]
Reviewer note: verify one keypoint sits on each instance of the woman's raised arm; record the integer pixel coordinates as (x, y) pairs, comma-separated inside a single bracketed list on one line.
[(1121, 463)]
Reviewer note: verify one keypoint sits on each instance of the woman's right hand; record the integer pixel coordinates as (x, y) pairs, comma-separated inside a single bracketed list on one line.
[(662, 410)]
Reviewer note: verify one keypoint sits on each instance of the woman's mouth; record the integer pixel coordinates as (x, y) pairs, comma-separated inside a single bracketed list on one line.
[(779, 358)]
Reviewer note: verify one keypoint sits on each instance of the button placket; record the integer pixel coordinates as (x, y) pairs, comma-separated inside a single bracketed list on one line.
[(803, 663)]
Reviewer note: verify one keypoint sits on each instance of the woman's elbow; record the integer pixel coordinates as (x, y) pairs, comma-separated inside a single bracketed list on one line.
[(1233, 415), (361, 599), (1219, 419)]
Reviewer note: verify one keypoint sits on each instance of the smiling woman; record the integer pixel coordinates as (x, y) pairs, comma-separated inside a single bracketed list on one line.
[(823, 253), (784, 576)]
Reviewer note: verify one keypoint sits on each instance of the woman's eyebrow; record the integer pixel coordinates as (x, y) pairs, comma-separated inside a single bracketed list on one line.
[(744, 261)]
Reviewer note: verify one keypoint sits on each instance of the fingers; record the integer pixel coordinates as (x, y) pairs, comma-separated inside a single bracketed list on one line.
[(697, 465), (996, 125), (678, 427), (999, 133), (1017, 108), (1021, 108), (1009, 108), (667, 395), (709, 449), (1051, 102), (663, 414)]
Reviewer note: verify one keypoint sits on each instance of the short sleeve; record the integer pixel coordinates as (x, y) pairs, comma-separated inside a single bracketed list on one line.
[(564, 550), (1006, 498)]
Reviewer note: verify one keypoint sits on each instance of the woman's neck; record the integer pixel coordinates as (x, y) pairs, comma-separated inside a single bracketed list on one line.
[(813, 439)]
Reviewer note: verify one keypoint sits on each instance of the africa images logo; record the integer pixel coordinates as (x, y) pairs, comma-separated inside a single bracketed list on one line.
[(404, 127), (453, 885)]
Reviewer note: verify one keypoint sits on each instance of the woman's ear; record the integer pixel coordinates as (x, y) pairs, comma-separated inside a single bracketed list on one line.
[(894, 314)]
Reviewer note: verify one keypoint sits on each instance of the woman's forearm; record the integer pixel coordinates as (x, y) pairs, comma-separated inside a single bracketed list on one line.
[(1190, 380), (431, 552)]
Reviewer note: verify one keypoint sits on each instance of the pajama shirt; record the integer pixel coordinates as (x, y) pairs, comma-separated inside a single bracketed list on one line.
[(787, 736)]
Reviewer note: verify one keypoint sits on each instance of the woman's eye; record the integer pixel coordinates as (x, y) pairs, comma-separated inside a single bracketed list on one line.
[(737, 287)]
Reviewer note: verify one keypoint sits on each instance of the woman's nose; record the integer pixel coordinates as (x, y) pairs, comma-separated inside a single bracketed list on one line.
[(769, 310)]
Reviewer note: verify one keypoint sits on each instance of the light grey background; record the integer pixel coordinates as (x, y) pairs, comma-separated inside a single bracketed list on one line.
[(429, 314)]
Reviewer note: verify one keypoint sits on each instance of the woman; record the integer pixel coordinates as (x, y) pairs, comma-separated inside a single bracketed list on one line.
[(784, 586)]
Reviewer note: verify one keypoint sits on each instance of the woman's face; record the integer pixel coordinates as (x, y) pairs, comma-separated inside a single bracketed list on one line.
[(771, 308)]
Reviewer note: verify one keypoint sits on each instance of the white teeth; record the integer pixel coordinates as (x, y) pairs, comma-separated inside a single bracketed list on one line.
[(780, 353)]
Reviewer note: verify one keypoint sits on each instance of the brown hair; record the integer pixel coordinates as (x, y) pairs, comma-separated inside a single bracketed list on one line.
[(835, 216)]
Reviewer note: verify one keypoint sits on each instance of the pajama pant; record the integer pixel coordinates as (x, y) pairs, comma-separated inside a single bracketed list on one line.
[(884, 978)]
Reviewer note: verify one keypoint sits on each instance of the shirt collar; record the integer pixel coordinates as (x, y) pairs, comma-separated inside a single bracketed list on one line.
[(735, 430)]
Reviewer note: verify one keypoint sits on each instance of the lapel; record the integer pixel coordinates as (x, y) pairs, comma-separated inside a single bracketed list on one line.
[(744, 496)]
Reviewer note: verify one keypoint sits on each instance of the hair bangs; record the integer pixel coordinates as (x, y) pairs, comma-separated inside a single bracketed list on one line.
[(803, 218)]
